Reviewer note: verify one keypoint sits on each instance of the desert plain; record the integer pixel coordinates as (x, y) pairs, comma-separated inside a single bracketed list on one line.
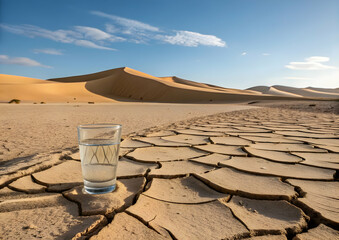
[(197, 161)]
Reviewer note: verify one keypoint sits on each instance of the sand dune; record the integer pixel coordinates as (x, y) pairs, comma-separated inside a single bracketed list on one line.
[(298, 92), (274, 91), (131, 84), (126, 84), (36, 90), (328, 90)]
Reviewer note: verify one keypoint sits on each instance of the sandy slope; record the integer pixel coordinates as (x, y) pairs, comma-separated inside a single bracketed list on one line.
[(126, 84), (298, 92), (121, 84), (132, 84), (36, 90)]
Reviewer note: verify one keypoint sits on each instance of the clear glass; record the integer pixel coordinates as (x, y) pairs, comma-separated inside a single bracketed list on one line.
[(99, 152)]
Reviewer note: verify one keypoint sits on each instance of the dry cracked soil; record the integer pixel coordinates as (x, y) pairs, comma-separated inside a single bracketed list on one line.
[(254, 174)]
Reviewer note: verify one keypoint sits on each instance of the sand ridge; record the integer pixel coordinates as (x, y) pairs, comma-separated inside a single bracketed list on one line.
[(126, 84), (297, 92)]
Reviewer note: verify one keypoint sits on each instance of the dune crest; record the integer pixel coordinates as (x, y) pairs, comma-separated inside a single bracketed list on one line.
[(308, 92), (126, 84)]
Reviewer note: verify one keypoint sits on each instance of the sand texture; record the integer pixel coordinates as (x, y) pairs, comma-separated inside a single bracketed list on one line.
[(126, 84), (297, 92), (27, 129), (249, 174)]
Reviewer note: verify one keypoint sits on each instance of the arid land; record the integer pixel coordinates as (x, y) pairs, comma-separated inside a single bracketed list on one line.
[(260, 164)]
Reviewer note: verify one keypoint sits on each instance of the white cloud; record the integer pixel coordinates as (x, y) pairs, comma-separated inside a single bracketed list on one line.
[(317, 59), (139, 32), (78, 37), (192, 39), (89, 44), (111, 28), (130, 24), (65, 36), (266, 54), (124, 29), (97, 34), (48, 51), (93, 33), (243, 53), (311, 63), (23, 61)]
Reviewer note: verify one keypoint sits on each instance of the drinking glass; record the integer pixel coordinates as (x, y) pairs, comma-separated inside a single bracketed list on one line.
[(99, 153)]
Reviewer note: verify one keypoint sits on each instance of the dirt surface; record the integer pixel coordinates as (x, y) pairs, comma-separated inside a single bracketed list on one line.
[(307, 106), (29, 129), (173, 183)]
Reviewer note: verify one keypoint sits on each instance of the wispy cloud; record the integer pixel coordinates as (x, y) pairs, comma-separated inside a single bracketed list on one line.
[(64, 36), (50, 51), (311, 63), (130, 25), (243, 53), (119, 29), (96, 34), (23, 61), (266, 54), (89, 44), (81, 36), (139, 32), (193, 39)]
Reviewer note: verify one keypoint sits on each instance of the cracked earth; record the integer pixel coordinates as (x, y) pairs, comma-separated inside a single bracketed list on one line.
[(254, 174)]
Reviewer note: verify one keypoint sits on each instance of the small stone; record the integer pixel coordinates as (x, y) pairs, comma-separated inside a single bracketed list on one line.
[(32, 226)]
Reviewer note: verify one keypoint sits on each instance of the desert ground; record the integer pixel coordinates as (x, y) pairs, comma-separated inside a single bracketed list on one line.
[(196, 161), (29, 129)]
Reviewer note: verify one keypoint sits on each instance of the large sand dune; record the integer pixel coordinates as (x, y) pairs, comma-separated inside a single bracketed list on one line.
[(308, 92), (36, 90), (126, 84)]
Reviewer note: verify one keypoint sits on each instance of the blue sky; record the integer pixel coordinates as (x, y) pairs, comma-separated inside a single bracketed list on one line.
[(236, 44)]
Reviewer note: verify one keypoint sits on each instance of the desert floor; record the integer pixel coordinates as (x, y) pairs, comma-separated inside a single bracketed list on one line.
[(28, 129), (185, 172)]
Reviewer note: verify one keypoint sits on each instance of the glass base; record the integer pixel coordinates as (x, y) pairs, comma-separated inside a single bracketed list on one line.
[(102, 190)]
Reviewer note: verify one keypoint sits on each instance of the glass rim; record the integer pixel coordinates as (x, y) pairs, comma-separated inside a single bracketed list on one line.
[(99, 125)]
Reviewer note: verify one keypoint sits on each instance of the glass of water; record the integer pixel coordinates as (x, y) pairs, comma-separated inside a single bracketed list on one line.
[(99, 153)]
